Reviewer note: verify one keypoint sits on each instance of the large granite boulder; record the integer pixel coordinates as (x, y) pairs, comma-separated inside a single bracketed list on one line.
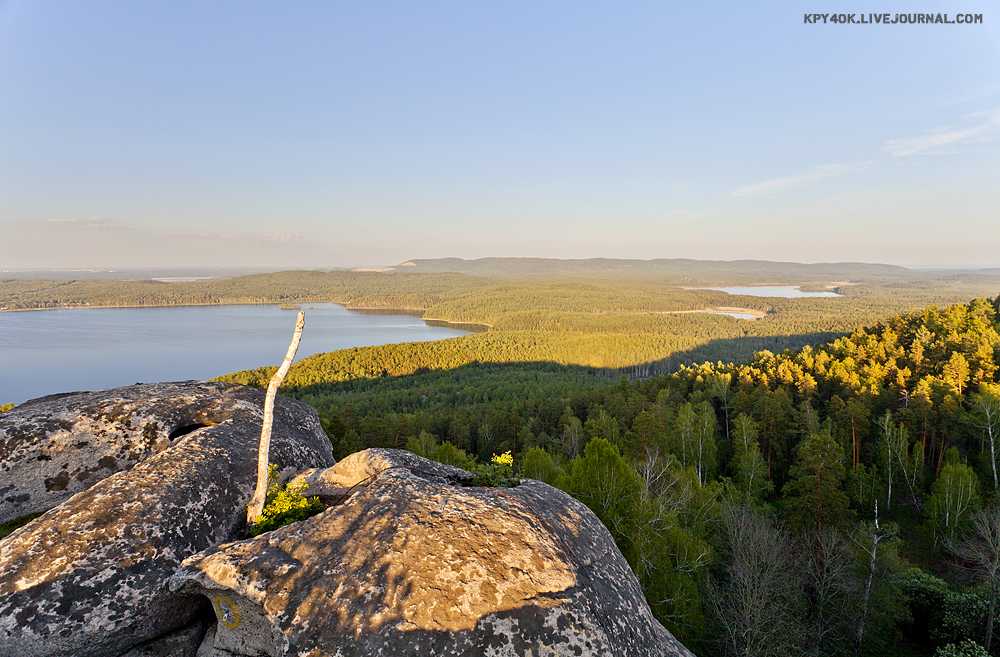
[(88, 578), (53, 447), (415, 563), (332, 484)]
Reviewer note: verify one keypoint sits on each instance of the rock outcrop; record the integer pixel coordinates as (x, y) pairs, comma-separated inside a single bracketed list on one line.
[(409, 559), (359, 468), (53, 447), (414, 563), (88, 578)]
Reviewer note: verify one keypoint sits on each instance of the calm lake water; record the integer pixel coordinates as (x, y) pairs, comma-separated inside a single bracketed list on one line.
[(735, 313), (52, 351), (785, 291)]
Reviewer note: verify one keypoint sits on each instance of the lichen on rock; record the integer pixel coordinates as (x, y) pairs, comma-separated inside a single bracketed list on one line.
[(88, 578), (55, 446), (412, 562), (411, 557)]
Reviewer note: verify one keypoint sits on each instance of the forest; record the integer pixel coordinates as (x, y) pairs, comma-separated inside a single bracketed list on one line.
[(584, 314), (818, 481), (636, 318), (792, 484), (834, 499)]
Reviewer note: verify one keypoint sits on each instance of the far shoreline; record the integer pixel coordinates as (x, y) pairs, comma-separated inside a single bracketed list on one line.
[(472, 327)]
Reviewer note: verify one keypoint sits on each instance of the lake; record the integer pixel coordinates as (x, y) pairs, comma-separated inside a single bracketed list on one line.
[(50, 351), (784, 291), (738, 314)]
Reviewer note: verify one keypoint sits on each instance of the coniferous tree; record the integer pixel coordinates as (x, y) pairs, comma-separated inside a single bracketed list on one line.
[(814, 492)]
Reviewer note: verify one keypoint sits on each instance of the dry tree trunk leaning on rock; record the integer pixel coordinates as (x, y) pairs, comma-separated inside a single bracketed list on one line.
[(256, 506)]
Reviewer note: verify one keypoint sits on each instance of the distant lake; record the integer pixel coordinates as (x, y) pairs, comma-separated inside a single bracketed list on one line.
[(735, 313), (49, 351), (785, 291)]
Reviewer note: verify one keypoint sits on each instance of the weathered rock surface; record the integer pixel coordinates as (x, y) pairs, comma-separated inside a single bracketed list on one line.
[(363, 466), (88, 578), (413, 564), (53, 447)]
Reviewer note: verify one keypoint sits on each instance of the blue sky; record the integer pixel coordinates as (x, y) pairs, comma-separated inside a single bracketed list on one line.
[(333, 133)]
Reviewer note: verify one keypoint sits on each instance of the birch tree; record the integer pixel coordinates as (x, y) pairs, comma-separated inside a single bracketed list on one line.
[(256, 506), (901, 460), (889, 462), (986, 416), (572, 434), (978, 555), (684, 429), (756, 597), (749, 467), (870, 538), (828, 573), (705, 447), (953, 498)]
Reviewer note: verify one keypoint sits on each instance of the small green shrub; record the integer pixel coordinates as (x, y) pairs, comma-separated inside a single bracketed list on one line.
[(967, 648), (498, 472), (284, 504), (6, 407), (963, 614)]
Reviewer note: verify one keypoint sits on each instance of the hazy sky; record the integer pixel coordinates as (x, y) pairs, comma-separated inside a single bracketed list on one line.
[(332, 133)]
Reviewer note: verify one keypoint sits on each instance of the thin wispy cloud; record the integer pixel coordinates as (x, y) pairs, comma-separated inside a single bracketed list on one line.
[(783, 183), (98, 224), (239, 237), (61, 243), (155, 234), (980, 126)]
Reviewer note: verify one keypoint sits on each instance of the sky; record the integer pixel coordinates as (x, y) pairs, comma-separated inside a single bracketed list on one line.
[(325, 134)]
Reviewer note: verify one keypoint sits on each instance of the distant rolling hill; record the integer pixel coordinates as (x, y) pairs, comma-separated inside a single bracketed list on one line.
[(680, 269)]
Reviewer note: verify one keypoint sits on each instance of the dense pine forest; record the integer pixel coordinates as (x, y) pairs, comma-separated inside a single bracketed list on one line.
[(834, 499)]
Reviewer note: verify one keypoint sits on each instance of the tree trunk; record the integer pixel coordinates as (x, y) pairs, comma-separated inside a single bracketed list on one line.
[(864, 602), (700, 444), (256, 506), (993, 457), (876, 537), (854, 444)]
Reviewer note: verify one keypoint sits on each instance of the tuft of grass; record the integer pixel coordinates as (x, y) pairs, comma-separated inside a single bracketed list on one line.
[(498, 472), (284, 504), (8, 527)]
